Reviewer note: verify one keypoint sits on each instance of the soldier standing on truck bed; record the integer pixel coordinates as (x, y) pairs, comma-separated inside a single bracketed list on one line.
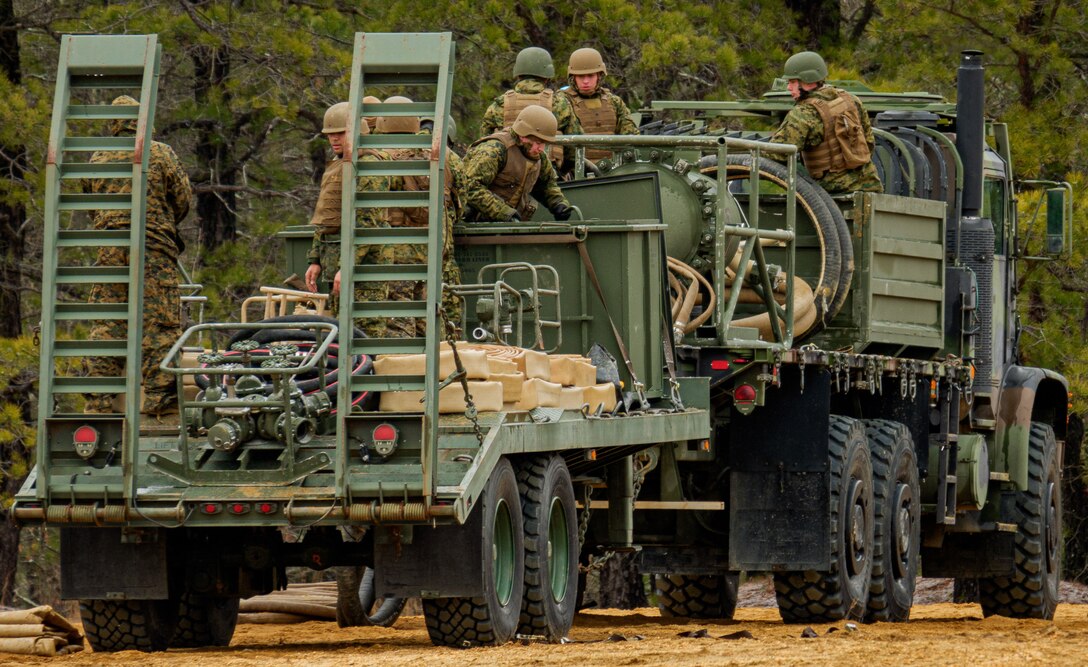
[(534, 69), (599, 110), (507, 165), (168, 198), (416, 290), (324, 255), (830, 127)]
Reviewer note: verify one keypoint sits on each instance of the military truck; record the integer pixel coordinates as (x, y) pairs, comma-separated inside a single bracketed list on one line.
[(825, 398)]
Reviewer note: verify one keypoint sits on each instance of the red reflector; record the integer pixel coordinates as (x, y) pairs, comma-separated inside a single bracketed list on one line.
[(266, 508), (85, 435), (385, 433), (719, 365), (740, 361), (745, 393), (210, 508), (239, 508)]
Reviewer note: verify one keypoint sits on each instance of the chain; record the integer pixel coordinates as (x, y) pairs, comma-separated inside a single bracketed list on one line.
[(583, 523), (459, 371), (37, 335)]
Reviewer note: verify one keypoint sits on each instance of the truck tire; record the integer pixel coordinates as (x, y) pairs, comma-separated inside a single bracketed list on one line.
[(551, 547), (1032, 590), (697, 596), (492, 618), (128, 625), (205, 621), (897, 521), (356, 597), (842, 592)]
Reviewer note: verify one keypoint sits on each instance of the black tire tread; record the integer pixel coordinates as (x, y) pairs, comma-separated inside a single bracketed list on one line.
[(1024, 594), (124, 625), (530, 472), (459, 622), (697, 596), (205, 621), (355, 598)]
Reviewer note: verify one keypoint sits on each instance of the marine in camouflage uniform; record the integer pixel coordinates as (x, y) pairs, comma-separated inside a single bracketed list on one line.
[(324, 254), (507, 176), (533, 69), (811, 124), (168, 197), (599, 110), (407, 290)]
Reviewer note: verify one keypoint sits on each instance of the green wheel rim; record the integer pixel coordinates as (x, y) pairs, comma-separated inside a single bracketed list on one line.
[(558, 550), (502, 554)]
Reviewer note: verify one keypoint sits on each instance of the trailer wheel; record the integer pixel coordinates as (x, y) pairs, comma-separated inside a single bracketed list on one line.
[(551, 547), (697, 596), (1032, 590), (491, 619), (205, 621), (897, 521), (357, 603), (128, 625), (841, 592)]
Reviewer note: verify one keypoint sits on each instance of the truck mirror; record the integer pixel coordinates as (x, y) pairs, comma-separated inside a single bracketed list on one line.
[(1057, 226)]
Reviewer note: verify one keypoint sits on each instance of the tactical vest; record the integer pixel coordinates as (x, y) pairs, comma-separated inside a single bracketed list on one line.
[(514, 102), (415, 216), (844, 146), (516, 180), (326, 215), (597, 116)]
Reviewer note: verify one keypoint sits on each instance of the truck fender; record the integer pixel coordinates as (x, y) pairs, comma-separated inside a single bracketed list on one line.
[(1027, 395)]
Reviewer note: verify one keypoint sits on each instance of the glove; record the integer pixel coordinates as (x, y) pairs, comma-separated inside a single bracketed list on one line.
[(562, 212), (513, 217)]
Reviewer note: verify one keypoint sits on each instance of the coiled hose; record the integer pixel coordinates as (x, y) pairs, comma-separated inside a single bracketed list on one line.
[(836, 247)]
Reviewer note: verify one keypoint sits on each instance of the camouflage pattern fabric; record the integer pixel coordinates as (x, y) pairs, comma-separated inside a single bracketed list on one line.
[(804, 128), (624, 123), (168, 197), (483, 163), (565, 117)]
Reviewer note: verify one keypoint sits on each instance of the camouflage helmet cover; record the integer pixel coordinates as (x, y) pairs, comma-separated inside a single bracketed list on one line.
[(536, 121), (123, 125), (807, 66), (398, 124), (586, 61), (534, 61)]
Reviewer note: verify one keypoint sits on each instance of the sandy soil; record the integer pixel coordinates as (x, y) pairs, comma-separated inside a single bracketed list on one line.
[(941, 633)]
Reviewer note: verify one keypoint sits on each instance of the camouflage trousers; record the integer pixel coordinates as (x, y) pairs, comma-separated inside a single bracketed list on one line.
[(329, 259), (412, 290), (161, 329)]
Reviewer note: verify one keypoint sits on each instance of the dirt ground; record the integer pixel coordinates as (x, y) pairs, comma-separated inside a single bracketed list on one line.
[(939, 633)]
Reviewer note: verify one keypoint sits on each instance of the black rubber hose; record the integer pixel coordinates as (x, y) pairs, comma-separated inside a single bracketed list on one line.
[(830, 290), (273, 335)]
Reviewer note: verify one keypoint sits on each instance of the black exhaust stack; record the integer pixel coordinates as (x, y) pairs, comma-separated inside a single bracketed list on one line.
[(970, 129)]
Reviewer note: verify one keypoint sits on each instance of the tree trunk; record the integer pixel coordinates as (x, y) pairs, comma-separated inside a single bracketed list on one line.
[(216, 208), (12, 169), (1075, 503), (13, 452)]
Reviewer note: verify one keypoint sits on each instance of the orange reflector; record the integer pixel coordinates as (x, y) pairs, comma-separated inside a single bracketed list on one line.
[(591, 455), (705, 445)]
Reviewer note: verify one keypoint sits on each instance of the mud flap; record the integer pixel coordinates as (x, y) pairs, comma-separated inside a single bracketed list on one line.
[(443, 561), (98, 565)]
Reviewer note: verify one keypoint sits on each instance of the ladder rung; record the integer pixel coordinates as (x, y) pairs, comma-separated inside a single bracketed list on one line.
[(394, 168), (86, 275), (90, 348), (91, 311), (95, 202), (88, 385), (72, 170), (89, 238), (400, 78), (388, 383), (390, 309), (376, 346), (91, 144), (370, 273), (102, 112), (84, 81), (390, 235), (394, 141), (387, 199), (406, 109)]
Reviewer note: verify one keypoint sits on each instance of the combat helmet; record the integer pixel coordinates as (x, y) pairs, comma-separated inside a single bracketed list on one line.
[(336, 119), (536, 121), (807, 66), (122, 126), (534, 61), (371, 121), (586, 61), (398, 124)]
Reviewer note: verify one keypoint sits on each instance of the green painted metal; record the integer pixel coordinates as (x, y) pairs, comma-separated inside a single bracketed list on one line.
[(391, 60), (93, 65)]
